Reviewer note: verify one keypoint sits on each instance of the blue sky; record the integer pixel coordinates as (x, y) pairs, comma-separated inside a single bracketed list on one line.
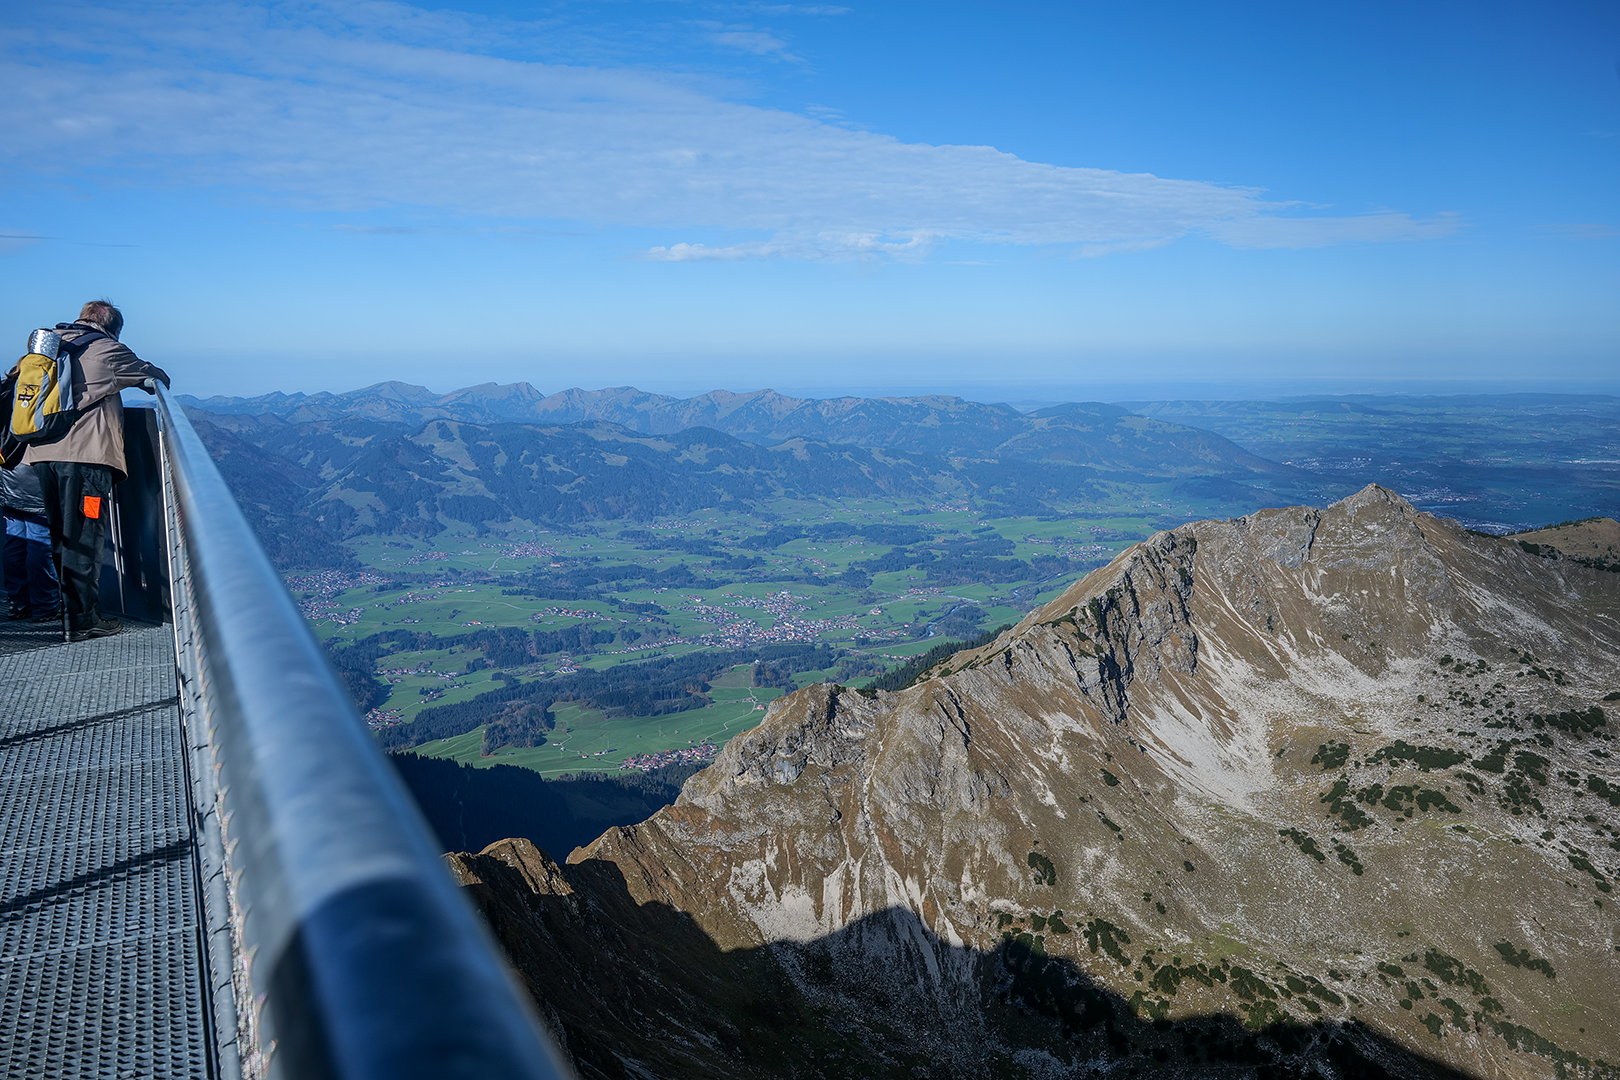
[(1036, 200)]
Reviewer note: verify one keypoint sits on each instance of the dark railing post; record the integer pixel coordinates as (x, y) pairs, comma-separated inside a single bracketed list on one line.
[(135, 572), (353, 953)]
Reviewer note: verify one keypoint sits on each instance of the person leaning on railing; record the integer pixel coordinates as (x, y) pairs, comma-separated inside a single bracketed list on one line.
[(77, 472)]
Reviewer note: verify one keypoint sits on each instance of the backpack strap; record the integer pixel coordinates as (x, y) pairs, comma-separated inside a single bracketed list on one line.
[(88, 336)]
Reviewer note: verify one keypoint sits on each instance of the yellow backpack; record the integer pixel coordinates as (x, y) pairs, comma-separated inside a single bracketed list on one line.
[(42, 405)]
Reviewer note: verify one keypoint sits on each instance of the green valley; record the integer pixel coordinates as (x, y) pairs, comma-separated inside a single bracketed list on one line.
[(464, 618)]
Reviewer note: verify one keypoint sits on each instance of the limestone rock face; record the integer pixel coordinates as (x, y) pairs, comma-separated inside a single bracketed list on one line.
[(1321, 789)]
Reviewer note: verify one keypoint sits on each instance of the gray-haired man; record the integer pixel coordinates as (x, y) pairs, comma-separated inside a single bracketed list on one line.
[(77, 472)]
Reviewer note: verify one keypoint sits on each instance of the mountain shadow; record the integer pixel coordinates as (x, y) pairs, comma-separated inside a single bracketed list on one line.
[(470, 808), (633, 990)]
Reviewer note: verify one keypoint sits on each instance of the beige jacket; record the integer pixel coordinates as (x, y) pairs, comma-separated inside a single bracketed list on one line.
[(97, 436)]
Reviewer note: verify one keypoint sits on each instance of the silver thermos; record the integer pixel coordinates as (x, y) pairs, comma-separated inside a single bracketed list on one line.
[(46, 343)]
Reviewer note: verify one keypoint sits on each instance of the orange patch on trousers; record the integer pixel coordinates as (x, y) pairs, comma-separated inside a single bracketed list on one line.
[(92, 507)]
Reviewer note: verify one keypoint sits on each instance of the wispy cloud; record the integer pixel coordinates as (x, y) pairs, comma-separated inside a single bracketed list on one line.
[(378, 230), (1097, 251), (1275, 231), (14, 242), (347, 106), (10, 243), (1582, 230), (749, 40), (826, 245), (798, 9)]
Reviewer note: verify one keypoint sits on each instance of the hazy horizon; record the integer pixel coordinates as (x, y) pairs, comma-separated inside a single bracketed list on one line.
[(1028, 398)]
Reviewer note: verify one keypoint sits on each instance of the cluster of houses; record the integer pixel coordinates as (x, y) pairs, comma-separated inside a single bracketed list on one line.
[(700, 753)]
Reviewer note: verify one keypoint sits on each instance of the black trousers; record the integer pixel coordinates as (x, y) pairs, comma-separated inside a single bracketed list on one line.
[(77, 498)]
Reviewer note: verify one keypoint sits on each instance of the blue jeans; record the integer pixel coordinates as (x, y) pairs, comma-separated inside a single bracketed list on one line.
[(30, 571)]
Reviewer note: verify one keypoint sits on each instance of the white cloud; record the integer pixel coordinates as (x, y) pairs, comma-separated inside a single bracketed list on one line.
[(346, 106)]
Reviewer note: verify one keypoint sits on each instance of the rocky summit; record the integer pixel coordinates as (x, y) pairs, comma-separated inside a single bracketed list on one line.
[(1309, 792)]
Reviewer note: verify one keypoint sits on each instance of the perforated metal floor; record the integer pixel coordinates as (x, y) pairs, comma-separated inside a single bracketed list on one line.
[(101, 966)]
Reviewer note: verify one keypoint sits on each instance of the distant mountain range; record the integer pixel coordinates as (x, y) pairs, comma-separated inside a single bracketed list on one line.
[(1088, 433), (312, 470), (316, 468)]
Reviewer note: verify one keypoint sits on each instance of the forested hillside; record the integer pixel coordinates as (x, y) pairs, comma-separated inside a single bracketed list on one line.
[(322, 475), (1092, 433)]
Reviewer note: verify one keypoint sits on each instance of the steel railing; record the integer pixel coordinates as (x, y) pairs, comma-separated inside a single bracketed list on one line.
[(340, 946)]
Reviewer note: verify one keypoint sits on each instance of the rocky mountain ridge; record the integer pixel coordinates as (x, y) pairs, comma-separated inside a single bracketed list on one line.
[(1327, 792)]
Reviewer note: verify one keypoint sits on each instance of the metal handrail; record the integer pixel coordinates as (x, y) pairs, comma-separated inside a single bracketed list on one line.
[(352, 952)]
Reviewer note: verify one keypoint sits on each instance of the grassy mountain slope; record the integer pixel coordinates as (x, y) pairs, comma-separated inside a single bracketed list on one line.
[(1594, 539)]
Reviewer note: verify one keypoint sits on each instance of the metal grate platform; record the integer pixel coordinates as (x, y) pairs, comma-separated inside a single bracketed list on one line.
[(101, 965)]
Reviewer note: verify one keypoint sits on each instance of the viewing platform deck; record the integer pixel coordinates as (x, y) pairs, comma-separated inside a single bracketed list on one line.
[(101, 951)]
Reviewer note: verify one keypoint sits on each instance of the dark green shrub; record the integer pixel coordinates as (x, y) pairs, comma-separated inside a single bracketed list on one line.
[(1331, 755), (1427, 799), (1531, 764), (1424, 757), (1103, 935), (1249, 986), (1523, 958), (1570, 722), (1580, 862), (1348, 857), (1495, 761), (1597, 786), (1305, 844)]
